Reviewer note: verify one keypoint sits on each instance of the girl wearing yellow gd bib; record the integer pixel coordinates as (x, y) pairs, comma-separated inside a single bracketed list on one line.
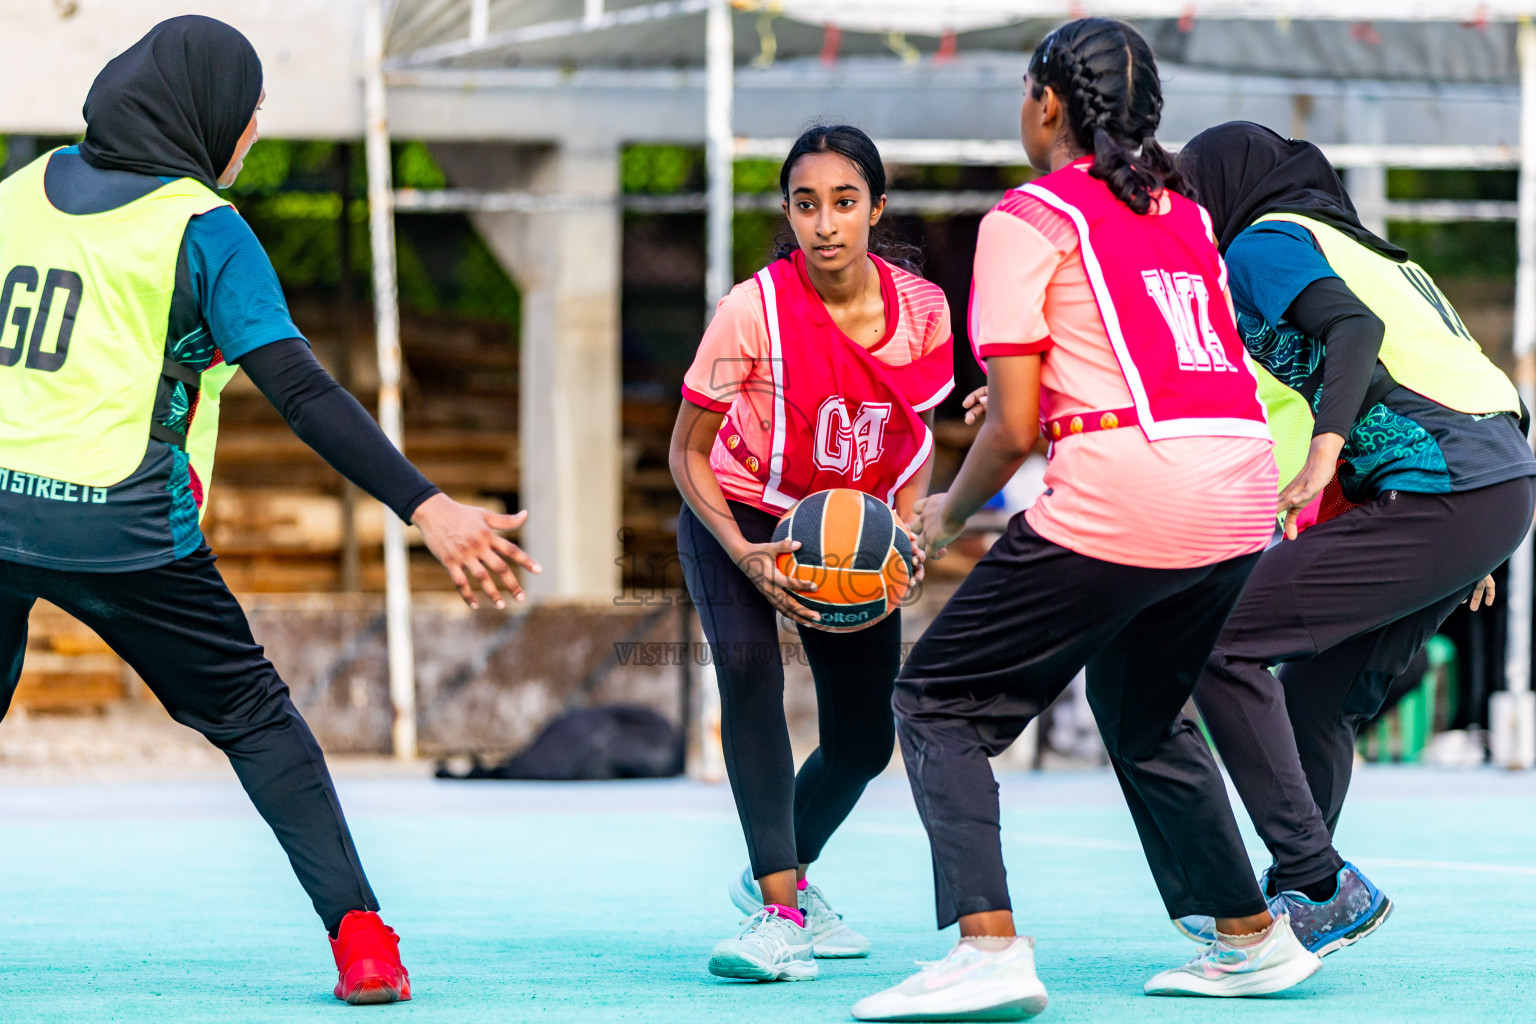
[(1370, 377), (130, 294)]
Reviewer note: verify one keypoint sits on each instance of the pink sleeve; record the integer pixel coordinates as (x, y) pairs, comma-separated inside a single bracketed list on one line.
[(1014, 263), (734, 342), (937, 361), (940, 331)]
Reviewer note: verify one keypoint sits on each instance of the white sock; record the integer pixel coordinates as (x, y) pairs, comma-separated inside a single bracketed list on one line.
[(1251, 939), (990, 943)]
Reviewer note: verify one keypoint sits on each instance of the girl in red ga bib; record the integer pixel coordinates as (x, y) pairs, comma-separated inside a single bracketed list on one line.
[(1100, 308), (818, 372)]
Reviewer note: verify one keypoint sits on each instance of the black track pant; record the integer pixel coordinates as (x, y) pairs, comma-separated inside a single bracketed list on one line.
[(1027, 618), (183, 632), (788, 818), (1342, 609)]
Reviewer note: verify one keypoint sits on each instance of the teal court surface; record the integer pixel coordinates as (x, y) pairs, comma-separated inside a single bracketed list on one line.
[(600, 901)]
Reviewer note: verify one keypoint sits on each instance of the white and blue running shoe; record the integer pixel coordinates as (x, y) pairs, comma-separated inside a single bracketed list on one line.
[(1356, 909), (768, 948), (834, 939)]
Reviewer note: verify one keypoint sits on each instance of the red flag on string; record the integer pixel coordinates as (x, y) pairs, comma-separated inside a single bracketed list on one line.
[(831, 40), (948, 47)]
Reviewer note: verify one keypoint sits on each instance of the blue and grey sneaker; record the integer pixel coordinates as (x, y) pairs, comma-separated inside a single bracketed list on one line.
[(1357, 909)]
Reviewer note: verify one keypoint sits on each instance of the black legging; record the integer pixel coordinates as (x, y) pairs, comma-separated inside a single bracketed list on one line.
[(1342, 610), (184, 633), (788, 818)]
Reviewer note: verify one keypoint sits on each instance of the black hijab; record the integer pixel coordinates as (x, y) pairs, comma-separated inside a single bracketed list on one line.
[(1241, 171), (175, 103)]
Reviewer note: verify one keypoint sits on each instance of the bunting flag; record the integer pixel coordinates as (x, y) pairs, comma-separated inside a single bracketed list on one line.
[(768, 43), (909, 54), (1365, 32), (831, 40), (949, 45)]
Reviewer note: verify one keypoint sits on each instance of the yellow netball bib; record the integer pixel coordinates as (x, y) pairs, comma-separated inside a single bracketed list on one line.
[(84, 309), (1426, 347), (1290, 424), (203, 434)]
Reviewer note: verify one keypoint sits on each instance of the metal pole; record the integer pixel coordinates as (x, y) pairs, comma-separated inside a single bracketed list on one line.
[(479, 20), (351, 560), (719, 150), (1512, 714), (1367, 183), (386, 313)]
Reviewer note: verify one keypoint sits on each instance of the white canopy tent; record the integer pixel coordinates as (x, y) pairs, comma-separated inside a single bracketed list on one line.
[(473, 44)]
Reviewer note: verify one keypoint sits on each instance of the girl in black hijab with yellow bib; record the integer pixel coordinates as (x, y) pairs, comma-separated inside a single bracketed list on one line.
[(1406, 480), (131, 295)]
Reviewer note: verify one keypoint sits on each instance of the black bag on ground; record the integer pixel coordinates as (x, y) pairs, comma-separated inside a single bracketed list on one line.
[(621, 741)]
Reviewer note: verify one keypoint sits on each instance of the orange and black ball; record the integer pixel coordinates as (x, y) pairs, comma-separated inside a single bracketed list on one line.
[(856, 552)]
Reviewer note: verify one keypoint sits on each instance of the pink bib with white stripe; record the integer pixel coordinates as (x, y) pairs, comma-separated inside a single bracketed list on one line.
[(841, 417), (1160, 288)]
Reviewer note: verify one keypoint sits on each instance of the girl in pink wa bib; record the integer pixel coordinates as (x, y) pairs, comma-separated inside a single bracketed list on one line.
[(1100, 311), (817, 372)]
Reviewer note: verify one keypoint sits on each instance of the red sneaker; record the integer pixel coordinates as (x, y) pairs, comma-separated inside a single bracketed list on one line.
[(368, 963)]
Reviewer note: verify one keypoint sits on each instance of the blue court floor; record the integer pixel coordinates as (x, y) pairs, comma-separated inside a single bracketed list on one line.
[(596, 902)]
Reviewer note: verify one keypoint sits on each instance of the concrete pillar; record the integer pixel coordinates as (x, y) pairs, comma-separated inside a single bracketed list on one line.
[(1367, 186), (567, 266)]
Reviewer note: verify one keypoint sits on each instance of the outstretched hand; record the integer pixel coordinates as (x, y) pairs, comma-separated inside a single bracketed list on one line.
[(975, 405), (932, 531), (465, 539), (1482, 594)]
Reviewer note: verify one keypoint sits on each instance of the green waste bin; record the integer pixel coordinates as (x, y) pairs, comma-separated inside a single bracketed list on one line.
[(1413, 720)]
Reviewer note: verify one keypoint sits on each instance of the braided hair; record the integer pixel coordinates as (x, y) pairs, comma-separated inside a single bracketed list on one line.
[(1106, 77)]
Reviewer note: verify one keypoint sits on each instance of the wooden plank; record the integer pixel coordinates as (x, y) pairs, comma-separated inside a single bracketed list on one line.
[(63, 682), (70, 691), (255, 521)]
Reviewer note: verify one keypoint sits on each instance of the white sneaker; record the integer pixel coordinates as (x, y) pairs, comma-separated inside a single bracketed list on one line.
[(968, 984), (834, 939), (768, 948), (1274, 964)]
